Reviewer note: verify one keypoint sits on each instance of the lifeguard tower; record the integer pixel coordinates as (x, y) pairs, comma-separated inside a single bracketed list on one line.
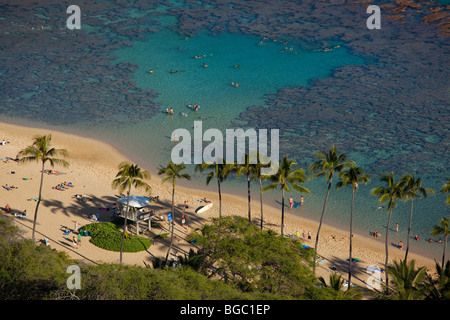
[(141, 210)]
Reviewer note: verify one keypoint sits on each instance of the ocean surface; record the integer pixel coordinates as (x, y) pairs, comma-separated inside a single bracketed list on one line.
[(315, 73)]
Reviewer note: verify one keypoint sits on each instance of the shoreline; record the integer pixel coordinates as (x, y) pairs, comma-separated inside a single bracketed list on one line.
[(93, 165)]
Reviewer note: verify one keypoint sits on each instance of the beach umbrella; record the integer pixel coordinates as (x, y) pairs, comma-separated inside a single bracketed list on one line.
[(135, 201)]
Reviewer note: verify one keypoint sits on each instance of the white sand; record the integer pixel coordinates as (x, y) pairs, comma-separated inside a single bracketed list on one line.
[(93, 165)]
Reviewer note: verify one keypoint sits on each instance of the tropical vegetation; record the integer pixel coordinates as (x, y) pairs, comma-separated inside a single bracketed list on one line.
[(353, 176), (129, 175), (108, 236), (286, 177), (42, 152), (389, 192), (234, 258), (173, 172), (327, 164)]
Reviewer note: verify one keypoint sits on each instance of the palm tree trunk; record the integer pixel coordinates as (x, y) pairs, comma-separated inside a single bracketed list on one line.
[(445, 248), (220, 199), (125, 223), (351, 238), (261, 202), (282, 211), (173, 220), (409, 231), (320, 226), (387, 251), (38, 202), (249, 210)]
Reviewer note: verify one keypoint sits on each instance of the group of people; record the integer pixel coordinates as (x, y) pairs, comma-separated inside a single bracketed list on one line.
[(6, 187), (82, 198), (376, 234), (291, 201), (63, 186), (195, 107), (22, 214)]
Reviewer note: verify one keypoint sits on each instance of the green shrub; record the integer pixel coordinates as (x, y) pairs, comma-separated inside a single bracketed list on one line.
[(108, 236)]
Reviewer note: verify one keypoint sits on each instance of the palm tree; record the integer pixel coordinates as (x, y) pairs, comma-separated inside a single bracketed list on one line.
[(412, 189), (257, 175), (438, 287), (284, 177), (173, 172), (446, 189), (391, 192), (41, 151), (407, 280), (441, 229), (218, 170), (353, 176), (336, 283), (248, 169), (327, 164), (129, 175)]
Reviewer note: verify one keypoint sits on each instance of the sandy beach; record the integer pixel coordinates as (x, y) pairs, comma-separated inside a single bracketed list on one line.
[(93, 165)]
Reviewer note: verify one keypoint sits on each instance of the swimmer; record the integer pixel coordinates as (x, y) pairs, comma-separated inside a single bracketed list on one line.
[(151, 71)]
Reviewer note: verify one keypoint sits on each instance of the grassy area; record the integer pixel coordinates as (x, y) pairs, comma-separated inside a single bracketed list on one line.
[(108, 236)]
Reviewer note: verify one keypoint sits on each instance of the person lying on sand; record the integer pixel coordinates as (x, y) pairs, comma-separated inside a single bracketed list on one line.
[(6, 187)]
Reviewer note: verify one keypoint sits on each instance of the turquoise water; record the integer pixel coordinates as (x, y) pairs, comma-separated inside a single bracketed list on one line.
[(265, 66), (259, 67)]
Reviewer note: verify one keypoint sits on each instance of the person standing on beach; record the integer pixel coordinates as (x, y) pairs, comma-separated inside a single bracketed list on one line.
[(291, 202), (301, 200), (396, 226)]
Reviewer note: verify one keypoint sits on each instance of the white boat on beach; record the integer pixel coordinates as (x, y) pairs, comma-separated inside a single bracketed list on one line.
[(204, 208)]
